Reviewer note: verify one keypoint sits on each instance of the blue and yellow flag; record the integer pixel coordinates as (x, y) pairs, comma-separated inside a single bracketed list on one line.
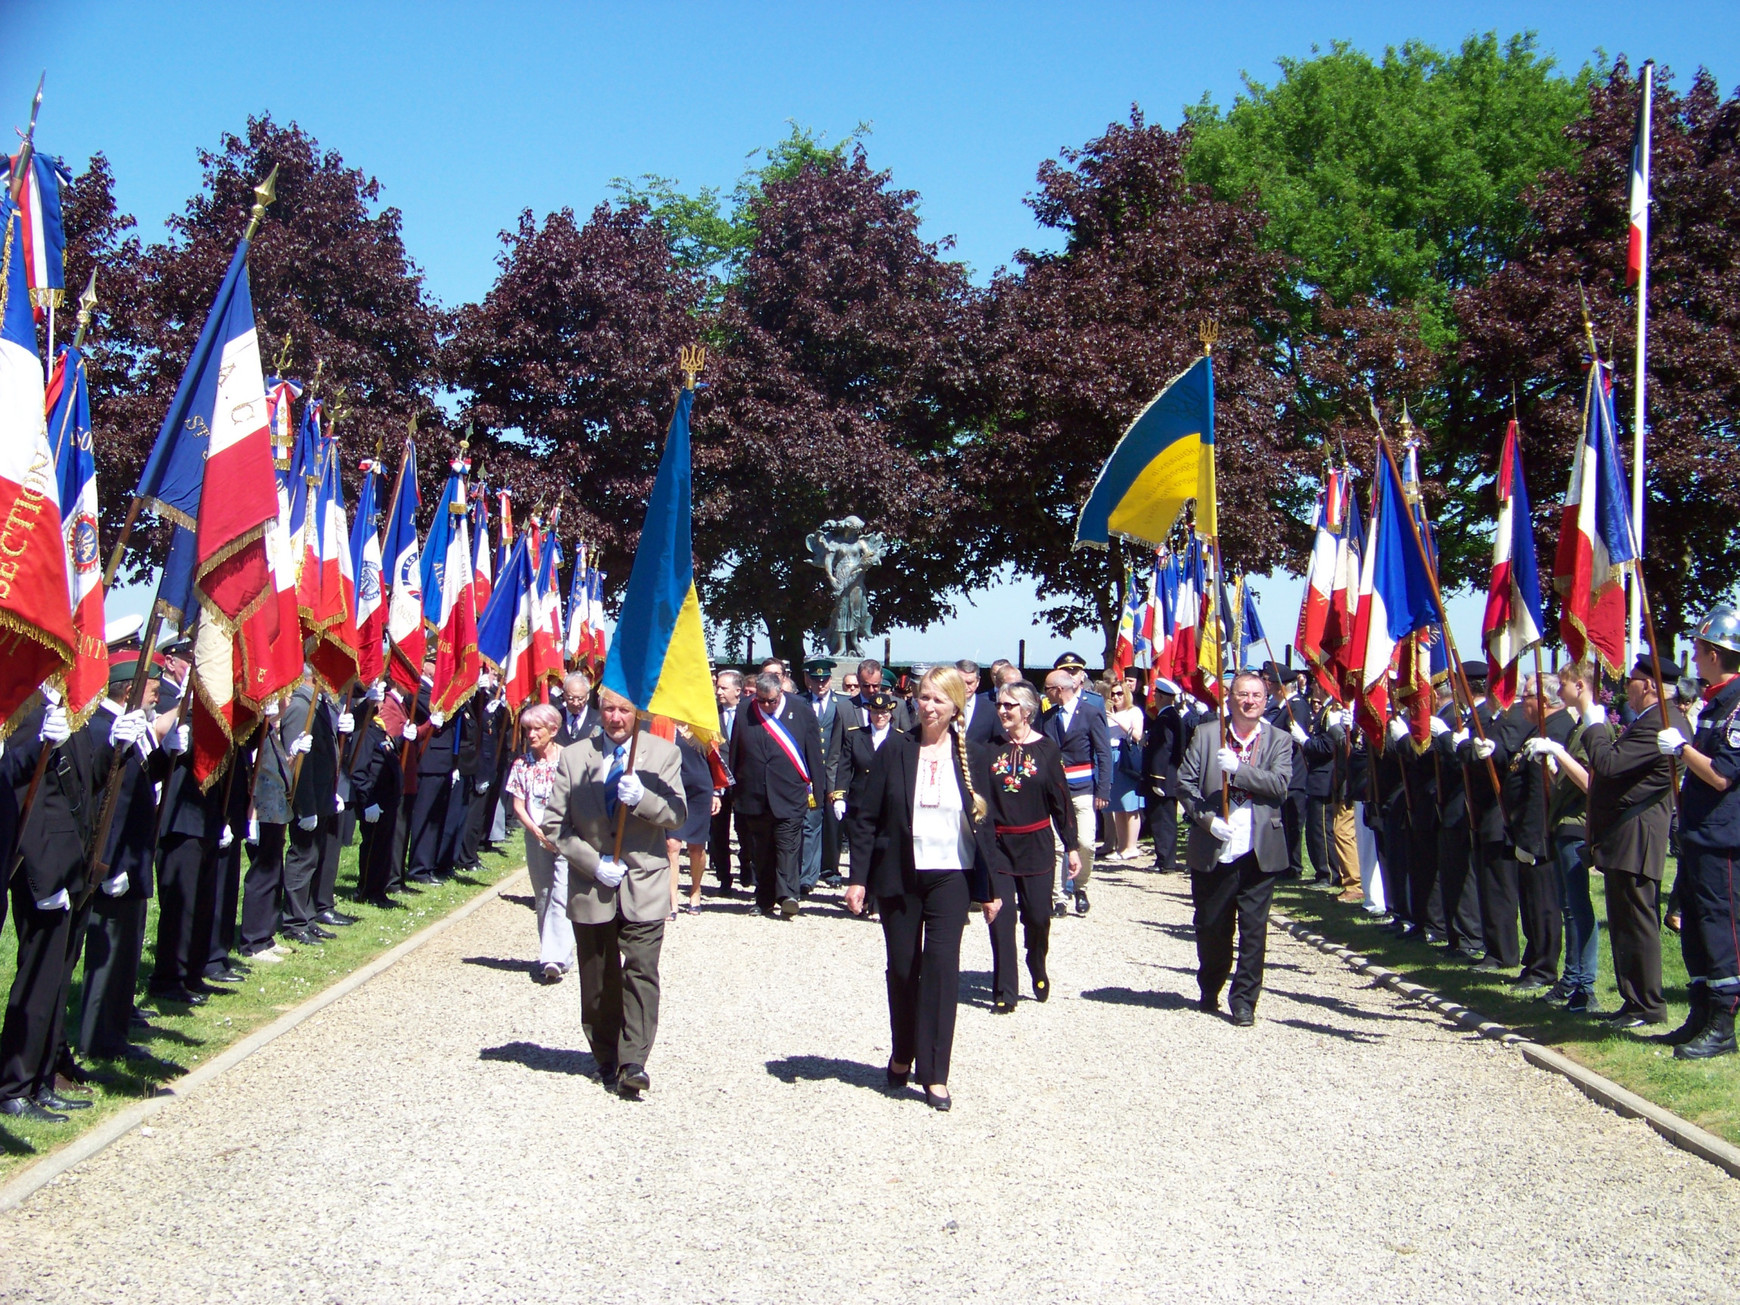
[(658, 659), (1165, 459)]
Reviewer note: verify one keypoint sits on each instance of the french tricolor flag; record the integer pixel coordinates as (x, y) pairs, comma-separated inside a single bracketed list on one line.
[(504, 631), (402, 572), (43, 239), (1637, 245), (1513, 602), (483, 560), (69, 434), (37, 636), (334, 659), (1320, 578), (1395, 597), (449, 598), (547, 633), (365, 562), (1595, 543)]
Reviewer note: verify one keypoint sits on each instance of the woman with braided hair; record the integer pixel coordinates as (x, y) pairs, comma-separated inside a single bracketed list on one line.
[(924, 842)]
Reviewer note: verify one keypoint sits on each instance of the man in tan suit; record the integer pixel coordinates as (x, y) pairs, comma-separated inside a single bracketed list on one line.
[(618, 906)]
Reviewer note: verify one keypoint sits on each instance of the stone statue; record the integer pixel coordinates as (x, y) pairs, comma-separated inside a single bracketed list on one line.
[(845, 552)]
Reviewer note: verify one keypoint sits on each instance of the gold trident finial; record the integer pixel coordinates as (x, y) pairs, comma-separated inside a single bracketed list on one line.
[(691, 359), (264, 194), (87, 306), (1208, 332), (283, 359)]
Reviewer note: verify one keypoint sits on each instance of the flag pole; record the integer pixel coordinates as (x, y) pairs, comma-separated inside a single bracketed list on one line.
[(1638, 601), (1458, 677)]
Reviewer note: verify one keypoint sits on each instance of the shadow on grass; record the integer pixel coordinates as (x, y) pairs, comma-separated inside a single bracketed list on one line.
[(549, 1060), (825, 1069), (1137, 997)]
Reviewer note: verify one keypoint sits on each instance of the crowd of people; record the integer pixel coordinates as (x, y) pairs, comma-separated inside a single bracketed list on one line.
[(967, 790)]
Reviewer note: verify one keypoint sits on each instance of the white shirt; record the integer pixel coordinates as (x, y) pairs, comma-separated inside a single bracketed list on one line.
[(1067, 711), (940, 836), (1240, 819), (876, 736)]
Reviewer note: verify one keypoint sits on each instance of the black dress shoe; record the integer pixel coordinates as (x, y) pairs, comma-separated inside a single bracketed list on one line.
[(180, 997), (1432, 938), (381, 902), (226, 976), (337, 919), (607, 1076), (632, 1081), (301, 936), (1059, 909), (422, 877), (1243, 1017), (1487, 964), (315, 931), (1041, 988), (25, 1108), (935, 1102), (49, 1100), (897, 1080), (137, 1019), (1081, 901)]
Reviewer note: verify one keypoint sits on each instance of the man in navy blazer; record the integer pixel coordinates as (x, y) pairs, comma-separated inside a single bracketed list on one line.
[(981, 714), (776, 755), (1077, 724)]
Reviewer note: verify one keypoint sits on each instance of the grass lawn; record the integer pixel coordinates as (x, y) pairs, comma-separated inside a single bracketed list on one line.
[(187, 1036), (1706, 1093)]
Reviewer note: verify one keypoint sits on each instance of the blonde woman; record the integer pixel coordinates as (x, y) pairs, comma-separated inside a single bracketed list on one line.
[(923, 842), (529, 784)]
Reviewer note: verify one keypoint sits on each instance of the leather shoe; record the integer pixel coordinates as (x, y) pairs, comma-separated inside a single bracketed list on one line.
[(1041, 988), (1243, 1017), (337, 919), (50, 1100), (937, 1103), (1487, 964), (25, 1108), (315, 931), (1059, 909), (632, 1081), (68, 1087), (299, 936), (180, 997), (788, 907), (607, 1075), (1081, 903), (422, 877), (226, 976)]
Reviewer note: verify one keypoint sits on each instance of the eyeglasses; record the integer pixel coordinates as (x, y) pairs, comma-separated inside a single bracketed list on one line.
[(1008, 706)]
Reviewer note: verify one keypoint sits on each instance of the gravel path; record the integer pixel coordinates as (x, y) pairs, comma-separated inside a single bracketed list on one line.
[(434, 1137)]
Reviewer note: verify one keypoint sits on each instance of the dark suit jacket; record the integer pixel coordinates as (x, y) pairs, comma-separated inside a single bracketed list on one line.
[(767, 782), (880, 828), (584, 727), (318, 782), (1162, 751), (1507, 730), (831, 726), (860, 755), (63, 817), (1296, 711), (132, 845), (985, 727), (1086, 740), (1628, 808)]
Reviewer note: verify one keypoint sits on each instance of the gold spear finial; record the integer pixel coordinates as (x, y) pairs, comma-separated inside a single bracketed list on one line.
[(264, 194), (1208, 331), (1588, 327), (283, 359), (87, 307), (1410, 438), (691, 359), (411, 428)]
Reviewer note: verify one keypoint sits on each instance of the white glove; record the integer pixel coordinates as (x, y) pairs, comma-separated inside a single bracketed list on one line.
[(254, 830), (178, 739), (1459, 738), (454, 777), (1220, 828), (411, 730), (1671, 742), (839, 808), (270, 709), (301, 743), (371, 813), (437, 718), (55, 727), (493, 705), (629, 789), (1438, 726), (346, 723), (1595, 714), (1398, 730), (375, 693), (483, 786), (1229, 761), (1299, 735), (1537, 747), (307, 823), (1484, 748), (1524, 856), (486, 681), (609, 873), (127, 729), (227, 837), (337, 802)]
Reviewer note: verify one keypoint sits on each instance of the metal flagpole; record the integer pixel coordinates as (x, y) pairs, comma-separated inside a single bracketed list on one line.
[(1635, 629)]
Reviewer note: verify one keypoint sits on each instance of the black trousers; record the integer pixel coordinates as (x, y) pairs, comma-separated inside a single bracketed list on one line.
[(227, 875), (374, 861), (479, 813), (774, 847), (1710, 899), (1425, 895), (458, 808), (1398, 878), (1634, 933), (1499, 909), (27, 1037), (263, 889), (1232, 896), (1032, 893), (1320, 839), (1457, 889), (186, 903), (1162, 817), (922, 934), (1543, 919), (619, 988), (302, 872), (719, 842), (428, 816), (401, 839), (1293, 826), (112, 945), (326, 876)]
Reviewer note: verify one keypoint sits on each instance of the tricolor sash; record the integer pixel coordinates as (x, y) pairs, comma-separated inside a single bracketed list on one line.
[(785, 743), (1082, 774)]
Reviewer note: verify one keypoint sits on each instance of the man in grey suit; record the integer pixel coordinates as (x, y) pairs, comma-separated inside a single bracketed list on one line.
[(618, 903), (1236, 851)]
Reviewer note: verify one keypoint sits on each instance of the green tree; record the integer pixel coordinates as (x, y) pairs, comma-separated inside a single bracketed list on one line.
[(1399, 181)]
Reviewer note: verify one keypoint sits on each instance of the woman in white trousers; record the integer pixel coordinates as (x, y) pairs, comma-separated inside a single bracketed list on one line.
[(529, 783)]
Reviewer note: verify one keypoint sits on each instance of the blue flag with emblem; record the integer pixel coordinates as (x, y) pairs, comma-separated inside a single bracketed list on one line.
[(1164, 460)]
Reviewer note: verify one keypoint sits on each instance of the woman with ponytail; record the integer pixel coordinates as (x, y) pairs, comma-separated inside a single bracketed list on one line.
[(924, 844)]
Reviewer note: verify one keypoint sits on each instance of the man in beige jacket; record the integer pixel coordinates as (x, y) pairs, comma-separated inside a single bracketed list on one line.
[(618, 906)]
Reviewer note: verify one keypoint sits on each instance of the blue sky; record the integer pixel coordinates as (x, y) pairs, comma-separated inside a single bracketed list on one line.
[(468, 113)]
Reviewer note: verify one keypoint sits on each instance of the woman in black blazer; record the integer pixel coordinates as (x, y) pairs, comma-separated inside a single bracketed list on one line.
[(923, 842)]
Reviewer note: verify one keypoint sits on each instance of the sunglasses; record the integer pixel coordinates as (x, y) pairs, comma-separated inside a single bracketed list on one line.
[(1008, 706)]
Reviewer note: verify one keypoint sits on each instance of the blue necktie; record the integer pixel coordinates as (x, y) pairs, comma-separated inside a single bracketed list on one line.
[(611, 802)]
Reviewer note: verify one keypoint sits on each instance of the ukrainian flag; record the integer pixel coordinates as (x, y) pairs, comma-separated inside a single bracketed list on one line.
[(658, 657), (1165, 459)]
